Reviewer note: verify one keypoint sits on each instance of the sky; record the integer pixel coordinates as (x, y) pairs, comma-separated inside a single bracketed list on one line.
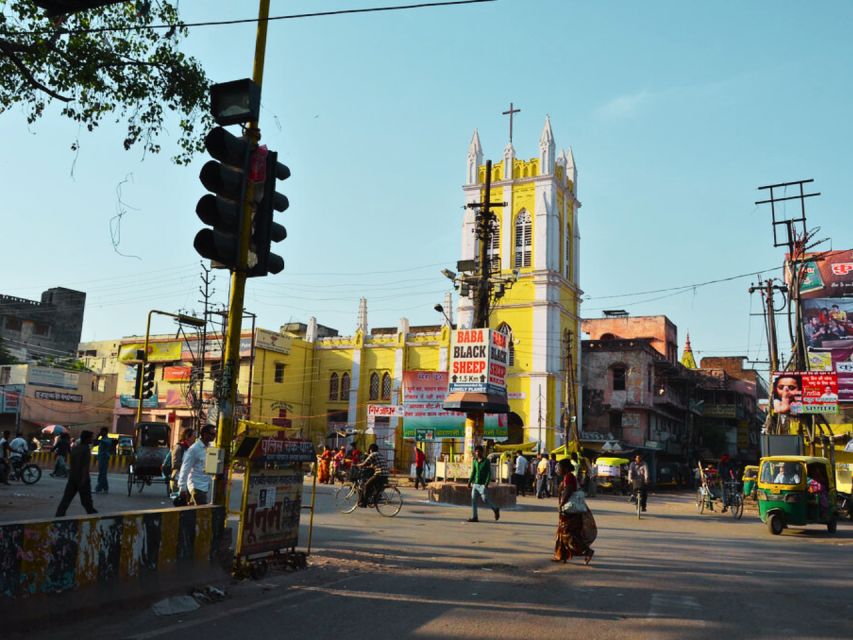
[(676, 112)]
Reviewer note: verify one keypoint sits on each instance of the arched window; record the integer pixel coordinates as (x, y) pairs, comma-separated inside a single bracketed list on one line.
[(493, 251), (374, 386), (333, 386), (345, 386), (568, 256), (505, 329), (386, 386), (523, 239)]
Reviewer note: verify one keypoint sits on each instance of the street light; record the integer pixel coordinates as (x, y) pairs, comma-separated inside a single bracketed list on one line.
[(447, 273), (440, 309)]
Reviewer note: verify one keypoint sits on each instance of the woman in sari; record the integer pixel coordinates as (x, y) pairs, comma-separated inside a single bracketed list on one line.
[(323, 464), (570, 541)]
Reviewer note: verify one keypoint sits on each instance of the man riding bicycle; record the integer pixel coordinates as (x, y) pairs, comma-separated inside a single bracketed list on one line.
[(638, 477), (378, 464)]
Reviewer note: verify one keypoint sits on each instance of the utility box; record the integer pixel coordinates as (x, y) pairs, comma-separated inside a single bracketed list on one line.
[(214, 461)]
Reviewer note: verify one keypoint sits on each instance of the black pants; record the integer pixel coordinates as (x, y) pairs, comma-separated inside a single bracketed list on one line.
[(419, 477), (71, 488), (520, 483), (373, 485), (642, 492)]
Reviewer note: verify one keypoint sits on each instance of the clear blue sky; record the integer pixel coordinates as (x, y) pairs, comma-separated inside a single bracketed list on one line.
[(676, 112)]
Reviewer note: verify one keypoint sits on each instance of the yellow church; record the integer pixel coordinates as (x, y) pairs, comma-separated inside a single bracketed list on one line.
[(368, 384)]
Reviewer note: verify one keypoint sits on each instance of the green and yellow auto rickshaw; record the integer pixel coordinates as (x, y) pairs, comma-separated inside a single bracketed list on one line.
[(796, 491), (750, 480)]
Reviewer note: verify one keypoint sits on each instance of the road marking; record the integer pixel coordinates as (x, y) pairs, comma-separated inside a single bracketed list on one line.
[(673, 605)]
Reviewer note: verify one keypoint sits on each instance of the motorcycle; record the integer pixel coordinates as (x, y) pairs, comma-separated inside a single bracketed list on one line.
[(22, 469)]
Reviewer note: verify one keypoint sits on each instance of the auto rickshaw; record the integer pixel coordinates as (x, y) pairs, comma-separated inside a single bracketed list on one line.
[(796, 491), (750, 480), (612, 474)]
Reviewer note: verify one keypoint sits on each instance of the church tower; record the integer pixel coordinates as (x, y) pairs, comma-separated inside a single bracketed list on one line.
[(537, 239)]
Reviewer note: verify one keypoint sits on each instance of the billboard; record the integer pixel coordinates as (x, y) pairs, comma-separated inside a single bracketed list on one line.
[(272, 341), (478, 361), (805, 392), (157, 351), (826, 275), (828, 323), (49, 377), (423, 409), (841, 362)]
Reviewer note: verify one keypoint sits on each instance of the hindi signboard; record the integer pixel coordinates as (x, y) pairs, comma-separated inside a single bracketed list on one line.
[(423, 409), (805, 392), (826, 275), (270, 519)]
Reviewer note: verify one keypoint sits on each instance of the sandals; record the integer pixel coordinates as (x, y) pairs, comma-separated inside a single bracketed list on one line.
[(588, 556)]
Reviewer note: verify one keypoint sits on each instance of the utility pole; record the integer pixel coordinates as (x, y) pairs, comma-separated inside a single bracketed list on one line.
[(570, 409), (485, 219), (795, 238), (206, 293), (767, 290)]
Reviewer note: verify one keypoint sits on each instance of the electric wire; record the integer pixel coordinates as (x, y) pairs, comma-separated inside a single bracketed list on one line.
[(216, 23)]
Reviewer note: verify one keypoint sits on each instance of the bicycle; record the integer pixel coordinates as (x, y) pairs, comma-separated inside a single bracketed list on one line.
[(24, 470), (636, 497), (387, 502)]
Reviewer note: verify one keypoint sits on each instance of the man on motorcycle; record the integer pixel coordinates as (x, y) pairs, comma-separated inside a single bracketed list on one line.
[(19, 450)]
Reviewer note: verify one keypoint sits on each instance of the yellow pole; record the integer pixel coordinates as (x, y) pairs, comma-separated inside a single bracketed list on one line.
[(144, 362), (231, 357)]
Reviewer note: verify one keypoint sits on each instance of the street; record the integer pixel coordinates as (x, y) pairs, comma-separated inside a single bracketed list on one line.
[(429, 574)]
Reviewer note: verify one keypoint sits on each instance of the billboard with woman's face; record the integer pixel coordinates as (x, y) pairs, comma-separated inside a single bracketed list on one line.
[(796, 392)]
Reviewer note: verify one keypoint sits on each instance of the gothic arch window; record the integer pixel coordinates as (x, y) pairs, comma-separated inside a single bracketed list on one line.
[(523, 239), (333, 386), (345, 386), (505, 329), (386, 386), (374, 386), (493, 251), (568, 255)]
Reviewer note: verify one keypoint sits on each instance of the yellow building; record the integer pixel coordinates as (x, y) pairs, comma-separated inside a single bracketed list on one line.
[(308, 376)]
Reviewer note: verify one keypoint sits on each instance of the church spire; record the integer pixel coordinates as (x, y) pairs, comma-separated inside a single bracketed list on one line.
[(546, 149), (687, 358), (475, 159)]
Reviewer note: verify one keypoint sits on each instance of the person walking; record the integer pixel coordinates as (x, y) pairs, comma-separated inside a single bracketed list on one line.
[(519, 474), (570, 540), (105, 452), (478, 481), (193, 482), (78, 476), (638, 478), (178, 451), (420, 461), (61, 450), (553, 478), (541, 476), (4, 457)]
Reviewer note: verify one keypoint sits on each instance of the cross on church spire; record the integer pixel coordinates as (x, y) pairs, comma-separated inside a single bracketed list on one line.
[(510, 113)]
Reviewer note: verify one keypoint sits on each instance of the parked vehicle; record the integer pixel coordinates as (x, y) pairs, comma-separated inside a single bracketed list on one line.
[(150, 449), (797, 491), (612, 474)]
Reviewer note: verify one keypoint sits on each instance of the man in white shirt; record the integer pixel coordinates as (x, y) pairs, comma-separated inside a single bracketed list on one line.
[(193, 482), (519, 476), (18, 448)]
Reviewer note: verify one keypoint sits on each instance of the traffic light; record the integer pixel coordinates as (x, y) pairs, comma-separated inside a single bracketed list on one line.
[(265, 230), (222, 208), (147, 380)]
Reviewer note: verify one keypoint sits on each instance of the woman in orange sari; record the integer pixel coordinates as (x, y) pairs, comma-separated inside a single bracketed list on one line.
[(570, 541), (323, 463)]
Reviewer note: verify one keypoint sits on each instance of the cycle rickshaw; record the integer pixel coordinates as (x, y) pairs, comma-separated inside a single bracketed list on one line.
[(712, 490), (151, 444)]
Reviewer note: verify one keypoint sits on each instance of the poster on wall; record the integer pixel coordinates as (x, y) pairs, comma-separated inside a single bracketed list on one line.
[(805, 392), (826, 275), (841, 362), (828, 323), (423, 409)]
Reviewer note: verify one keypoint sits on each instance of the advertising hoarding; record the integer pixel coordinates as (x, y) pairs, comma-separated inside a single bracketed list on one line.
[(272, 341), (48, 377), (478, 361), (423, 399), (805, 392), (826, 275), (271, 512)]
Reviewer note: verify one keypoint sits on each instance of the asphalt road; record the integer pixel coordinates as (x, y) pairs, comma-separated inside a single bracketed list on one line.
[(429, 574)]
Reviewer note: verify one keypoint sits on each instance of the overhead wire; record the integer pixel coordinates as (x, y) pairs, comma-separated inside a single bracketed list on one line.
[(216, 23)]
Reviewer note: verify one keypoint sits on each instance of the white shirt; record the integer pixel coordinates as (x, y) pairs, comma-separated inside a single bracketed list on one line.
[(19, 446), (521, 465), (192, 473)]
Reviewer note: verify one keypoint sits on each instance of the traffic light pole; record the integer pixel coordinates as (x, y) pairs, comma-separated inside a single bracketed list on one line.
[(231, 356)]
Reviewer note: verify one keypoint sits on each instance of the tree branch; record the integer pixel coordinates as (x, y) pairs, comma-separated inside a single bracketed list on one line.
[(28, 76)]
